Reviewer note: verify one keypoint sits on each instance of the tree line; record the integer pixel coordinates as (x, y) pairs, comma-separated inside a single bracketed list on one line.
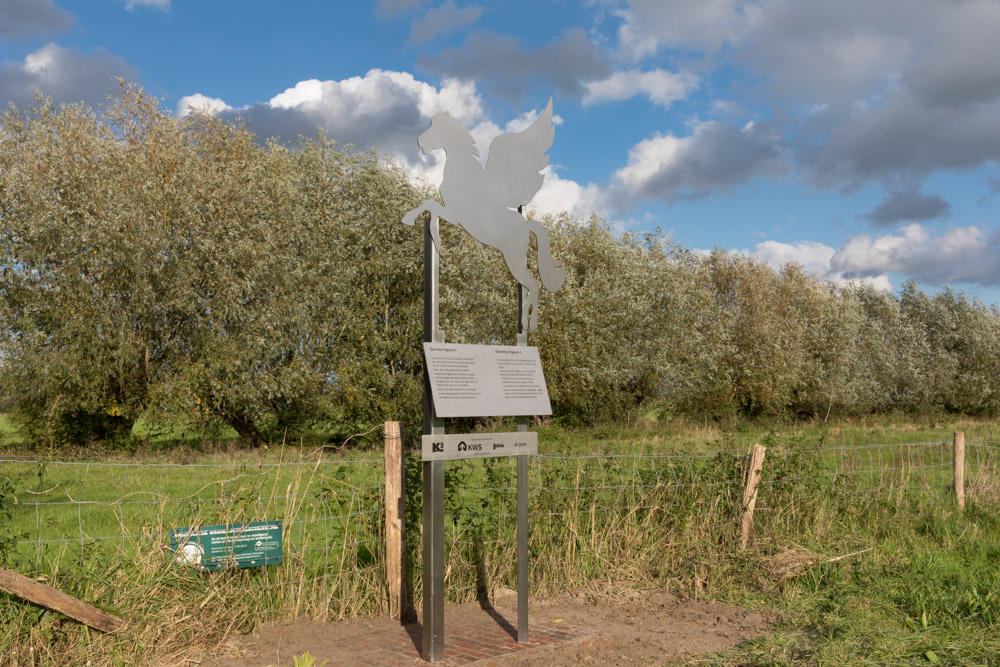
[(180, 270)]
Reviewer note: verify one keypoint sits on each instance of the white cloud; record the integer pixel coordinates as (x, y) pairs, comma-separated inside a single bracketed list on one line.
[(661, 87), (713, 158), (812, 256), (651, 25), (958, 255), (64, 74), (815, 258), (969, 255), (301, 94), (382, 110), (199, 102), (560, 195), (822, 52), (387, 111), (893, 90)]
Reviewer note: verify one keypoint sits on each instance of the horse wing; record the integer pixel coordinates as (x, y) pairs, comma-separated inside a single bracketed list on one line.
[(516, 160)]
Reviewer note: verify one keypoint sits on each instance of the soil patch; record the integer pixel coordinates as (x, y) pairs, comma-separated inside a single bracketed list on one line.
[(577, 627)]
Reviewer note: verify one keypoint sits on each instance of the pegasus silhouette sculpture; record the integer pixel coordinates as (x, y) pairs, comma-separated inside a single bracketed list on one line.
[(484, 200)]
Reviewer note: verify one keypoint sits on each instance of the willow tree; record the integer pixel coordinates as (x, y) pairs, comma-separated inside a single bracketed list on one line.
[(156, 266)]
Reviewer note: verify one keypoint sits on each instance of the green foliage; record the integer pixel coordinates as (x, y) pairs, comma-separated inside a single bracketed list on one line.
[(8, 536), (156, 267), (306, 660), (184, 273)]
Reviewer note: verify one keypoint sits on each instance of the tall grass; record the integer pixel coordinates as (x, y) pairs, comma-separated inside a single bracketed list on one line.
[(99, 530), (919, 576)]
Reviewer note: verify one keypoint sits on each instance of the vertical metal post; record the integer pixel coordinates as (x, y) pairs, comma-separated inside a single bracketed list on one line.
[(433, 510), (522, 504)]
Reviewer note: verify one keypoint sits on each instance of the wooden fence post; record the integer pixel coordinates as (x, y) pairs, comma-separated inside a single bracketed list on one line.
[(395, 516), (959, 468), (756, 460)]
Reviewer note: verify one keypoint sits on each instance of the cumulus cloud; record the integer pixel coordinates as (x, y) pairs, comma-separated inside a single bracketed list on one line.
[(439, 20), (818, 51), (958, 255), (560, 195), (661, 87), (386, 111), (64, 74), (713, 158), (382, 110), (802, 48), (905, 139), (969, 255), (812, 256), (20, 19), (500, 64), (199, 102), (896, 89), (908, 206), (651, 25)]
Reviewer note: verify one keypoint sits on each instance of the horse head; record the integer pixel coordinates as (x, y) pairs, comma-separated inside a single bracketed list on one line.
[(447, 133)]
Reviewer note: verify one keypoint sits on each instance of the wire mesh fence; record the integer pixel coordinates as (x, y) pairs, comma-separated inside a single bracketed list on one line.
[(99, 514), (103, 517)]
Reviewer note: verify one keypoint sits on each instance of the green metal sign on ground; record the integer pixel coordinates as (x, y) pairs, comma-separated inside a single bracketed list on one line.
[(236, 545)]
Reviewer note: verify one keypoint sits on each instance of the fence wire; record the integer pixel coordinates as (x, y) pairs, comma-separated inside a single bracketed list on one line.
[(103, 514)]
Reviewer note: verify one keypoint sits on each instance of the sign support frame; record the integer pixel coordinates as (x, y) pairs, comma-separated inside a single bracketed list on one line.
[(522, 500), (433, 475), (433, 471)]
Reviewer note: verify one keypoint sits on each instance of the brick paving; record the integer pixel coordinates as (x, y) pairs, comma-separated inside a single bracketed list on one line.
[(480, 640)]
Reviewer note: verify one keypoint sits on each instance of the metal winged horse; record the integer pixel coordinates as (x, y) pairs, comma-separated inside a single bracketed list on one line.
[(484, 200)]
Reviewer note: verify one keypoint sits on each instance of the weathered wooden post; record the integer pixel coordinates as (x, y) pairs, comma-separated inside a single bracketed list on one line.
[(395, 518), (756, 462), (958, 477), (46, 596)]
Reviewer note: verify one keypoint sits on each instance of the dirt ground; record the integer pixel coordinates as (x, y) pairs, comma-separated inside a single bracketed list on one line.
[(620, 628)]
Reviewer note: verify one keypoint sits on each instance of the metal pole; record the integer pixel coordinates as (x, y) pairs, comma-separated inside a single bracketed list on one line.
[(433, 519), (522, 504)]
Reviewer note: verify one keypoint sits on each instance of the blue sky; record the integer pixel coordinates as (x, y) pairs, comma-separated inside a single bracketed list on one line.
[(861, 140)]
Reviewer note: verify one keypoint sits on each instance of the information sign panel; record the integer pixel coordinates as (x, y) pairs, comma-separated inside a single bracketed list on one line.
[(234, 545), (452, 446), (486, 380)]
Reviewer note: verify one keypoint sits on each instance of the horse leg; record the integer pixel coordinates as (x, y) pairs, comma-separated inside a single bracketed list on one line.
[(552, 272), (517, 262), (435, 209), (430, 206)]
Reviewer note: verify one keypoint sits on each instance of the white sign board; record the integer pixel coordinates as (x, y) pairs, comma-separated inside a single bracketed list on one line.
[(451, 446), (486, 380)]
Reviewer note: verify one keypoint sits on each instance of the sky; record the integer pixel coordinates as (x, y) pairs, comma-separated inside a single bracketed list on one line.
[(859, 139)]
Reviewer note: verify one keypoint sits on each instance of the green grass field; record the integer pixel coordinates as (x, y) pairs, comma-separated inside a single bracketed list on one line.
[(652, 506), (8, 432)]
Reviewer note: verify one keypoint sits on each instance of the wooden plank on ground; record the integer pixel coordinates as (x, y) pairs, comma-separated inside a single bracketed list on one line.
[(46, 596)]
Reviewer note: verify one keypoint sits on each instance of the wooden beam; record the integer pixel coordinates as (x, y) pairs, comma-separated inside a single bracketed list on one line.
[(395, 518), (755, 463), (958, 481), (46, 596)]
